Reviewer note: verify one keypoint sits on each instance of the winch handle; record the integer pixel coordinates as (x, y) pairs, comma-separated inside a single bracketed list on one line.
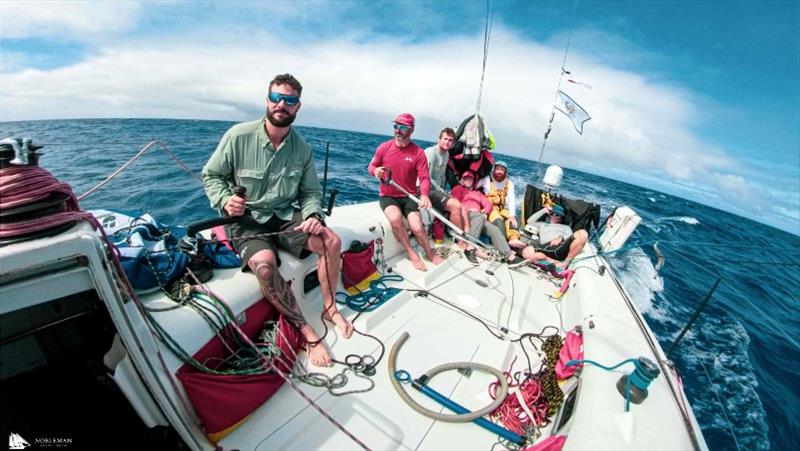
[(194, 228), (387, 176)]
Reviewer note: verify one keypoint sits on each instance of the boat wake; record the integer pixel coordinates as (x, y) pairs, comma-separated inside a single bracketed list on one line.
[(719, 347), (637, 274)]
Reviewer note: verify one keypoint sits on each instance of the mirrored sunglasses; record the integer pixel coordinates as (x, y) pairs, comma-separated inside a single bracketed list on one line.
[(276, 97)]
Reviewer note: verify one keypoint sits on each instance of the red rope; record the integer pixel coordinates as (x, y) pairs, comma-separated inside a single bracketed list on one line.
[(511, 412), (24, 185)]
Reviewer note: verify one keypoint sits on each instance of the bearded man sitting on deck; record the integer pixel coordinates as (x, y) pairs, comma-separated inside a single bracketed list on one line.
[(499, 190), (404, 162), (275, 165)]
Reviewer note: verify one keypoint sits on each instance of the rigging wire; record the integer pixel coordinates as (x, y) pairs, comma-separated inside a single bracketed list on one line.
[(724, 410), (558, 88), (141, 152), (487, 32)]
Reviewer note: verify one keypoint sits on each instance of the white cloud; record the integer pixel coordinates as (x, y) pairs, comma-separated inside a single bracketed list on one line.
[(636, 123), (639, 123), (68, 19), (735, 185)]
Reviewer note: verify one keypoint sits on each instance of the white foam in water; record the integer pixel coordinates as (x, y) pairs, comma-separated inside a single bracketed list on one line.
[(652, 226), (685, 219), (668, 223), (652, 199), (720, 345), (639, 277)]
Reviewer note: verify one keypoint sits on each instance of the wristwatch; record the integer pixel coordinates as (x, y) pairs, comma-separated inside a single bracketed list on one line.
[(318, 217)]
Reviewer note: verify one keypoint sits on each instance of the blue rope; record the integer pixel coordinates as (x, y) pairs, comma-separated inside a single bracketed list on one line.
[(640, 377), (373, 297), (607, 368)]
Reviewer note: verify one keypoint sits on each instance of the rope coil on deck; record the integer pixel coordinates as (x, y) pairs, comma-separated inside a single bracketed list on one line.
[(22, 187)]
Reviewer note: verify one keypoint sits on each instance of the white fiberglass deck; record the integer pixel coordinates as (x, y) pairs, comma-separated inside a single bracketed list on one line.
[(518, 300), (439, 334)]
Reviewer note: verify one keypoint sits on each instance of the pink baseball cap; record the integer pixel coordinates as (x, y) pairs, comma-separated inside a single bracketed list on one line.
[(404, 119)]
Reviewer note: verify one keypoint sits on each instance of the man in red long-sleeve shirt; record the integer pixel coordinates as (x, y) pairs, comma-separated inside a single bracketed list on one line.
[(406, 162)]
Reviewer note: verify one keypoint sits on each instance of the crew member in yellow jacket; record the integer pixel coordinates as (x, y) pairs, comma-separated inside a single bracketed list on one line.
[(499, 190)]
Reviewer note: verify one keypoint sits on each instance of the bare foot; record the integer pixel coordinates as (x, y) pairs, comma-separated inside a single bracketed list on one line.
[(562, 265), (435, 259), (345, 326), (417, 262), (318, 354)]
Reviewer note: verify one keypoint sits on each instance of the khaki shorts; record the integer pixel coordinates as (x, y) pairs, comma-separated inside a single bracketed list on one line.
[(245, 237)]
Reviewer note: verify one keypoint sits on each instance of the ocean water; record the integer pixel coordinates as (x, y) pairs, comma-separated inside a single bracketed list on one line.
[(740, 363)]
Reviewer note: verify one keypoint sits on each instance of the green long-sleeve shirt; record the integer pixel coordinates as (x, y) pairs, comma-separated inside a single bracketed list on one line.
[(275, 179)]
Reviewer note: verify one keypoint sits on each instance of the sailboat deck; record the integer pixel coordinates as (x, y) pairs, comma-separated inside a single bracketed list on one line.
[(439, 333), (473, 310)]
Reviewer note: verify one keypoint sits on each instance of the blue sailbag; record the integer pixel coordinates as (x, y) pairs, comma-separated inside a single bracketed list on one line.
[(149, 252)]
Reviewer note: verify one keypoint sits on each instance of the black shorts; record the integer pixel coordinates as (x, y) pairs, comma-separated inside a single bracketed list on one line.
[(405, 204), (245, 239), (439, 200), (558, 252)]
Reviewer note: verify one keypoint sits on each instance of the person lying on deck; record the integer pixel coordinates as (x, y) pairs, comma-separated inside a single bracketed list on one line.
[(404, 162), (275, 165), (475, 208), (555, 242)]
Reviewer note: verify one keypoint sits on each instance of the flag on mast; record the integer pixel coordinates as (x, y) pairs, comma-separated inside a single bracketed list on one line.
[(575, 112), (576, 82)]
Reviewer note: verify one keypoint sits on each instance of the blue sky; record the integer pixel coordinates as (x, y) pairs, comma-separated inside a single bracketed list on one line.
[(699, 99)]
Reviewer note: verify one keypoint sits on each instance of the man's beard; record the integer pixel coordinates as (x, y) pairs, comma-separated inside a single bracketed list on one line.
[(285, 122), (499, 178)]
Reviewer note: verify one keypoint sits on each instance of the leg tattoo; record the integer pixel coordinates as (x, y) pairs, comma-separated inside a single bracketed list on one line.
[(278, 293)]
